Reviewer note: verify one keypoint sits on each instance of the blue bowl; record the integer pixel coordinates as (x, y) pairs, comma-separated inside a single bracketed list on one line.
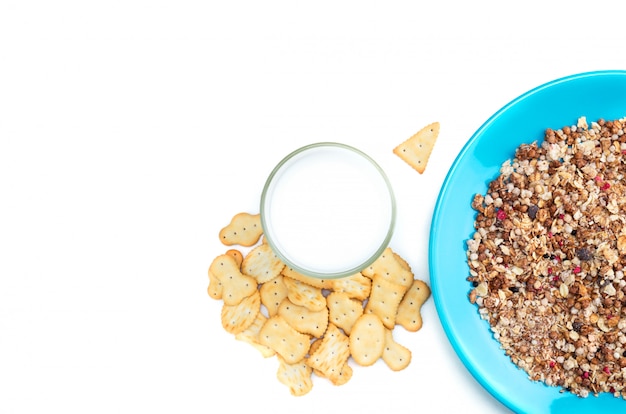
[(596, 95)]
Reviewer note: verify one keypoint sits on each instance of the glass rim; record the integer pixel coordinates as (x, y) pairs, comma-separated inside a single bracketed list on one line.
[(340, 273)]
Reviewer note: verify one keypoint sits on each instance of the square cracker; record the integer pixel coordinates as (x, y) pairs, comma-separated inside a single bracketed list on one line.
[(277, 334), (416, 150), (331, 355), (262, 264), (384, 300), (343, 311)]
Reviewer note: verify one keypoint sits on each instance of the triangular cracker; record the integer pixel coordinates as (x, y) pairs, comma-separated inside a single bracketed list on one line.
[(416, 150)]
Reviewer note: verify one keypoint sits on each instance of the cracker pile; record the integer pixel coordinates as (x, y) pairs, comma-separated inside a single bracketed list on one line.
[(313, 326)]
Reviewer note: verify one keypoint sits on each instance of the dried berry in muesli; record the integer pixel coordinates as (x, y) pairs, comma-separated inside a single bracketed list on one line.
[(548, 256)]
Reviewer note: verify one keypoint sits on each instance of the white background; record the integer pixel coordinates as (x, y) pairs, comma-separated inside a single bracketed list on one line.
[(132, 131)]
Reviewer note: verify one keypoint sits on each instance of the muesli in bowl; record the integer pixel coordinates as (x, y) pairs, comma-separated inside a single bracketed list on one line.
[(548, 255)]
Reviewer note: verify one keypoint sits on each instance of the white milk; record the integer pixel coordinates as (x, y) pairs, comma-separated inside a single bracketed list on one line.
[(328, 210)]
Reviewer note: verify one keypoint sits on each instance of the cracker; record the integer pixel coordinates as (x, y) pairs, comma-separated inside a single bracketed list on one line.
[(345, 374), (277, 334), (236, 318), (305, 295), (390, 268), (343, 311), (403, 263), (409, 311), (311, 281), (251, 336), (356, 286), (244, 229), (396, 356), (272, 294), (237, 255), (304, 320), (416, 150), (313, 325), (384, 300), (332, 354), (295, 376), (314, 345), (262, 264), (367, 340), (215, 288), (235, 285)]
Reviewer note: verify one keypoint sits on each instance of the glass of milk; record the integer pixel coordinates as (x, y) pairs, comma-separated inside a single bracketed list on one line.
[(328, 210)]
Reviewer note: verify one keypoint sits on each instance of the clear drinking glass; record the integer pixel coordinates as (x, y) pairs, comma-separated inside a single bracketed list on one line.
[(328, 210)]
